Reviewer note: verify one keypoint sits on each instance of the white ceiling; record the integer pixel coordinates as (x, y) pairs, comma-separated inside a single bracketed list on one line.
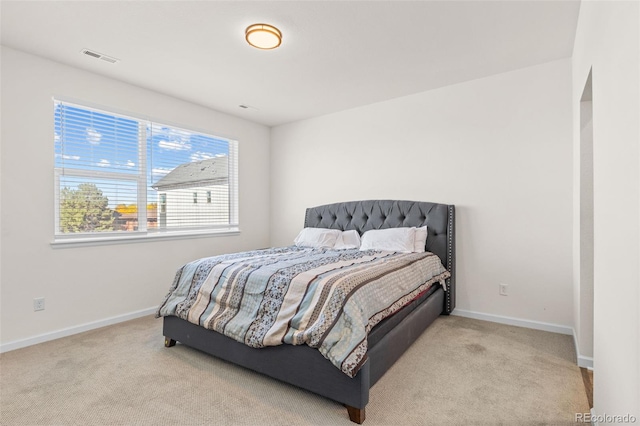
[(335, 55)]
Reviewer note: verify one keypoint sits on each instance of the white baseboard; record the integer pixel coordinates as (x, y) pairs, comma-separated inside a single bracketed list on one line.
[(536, 325), (583, 361), (17, 344)]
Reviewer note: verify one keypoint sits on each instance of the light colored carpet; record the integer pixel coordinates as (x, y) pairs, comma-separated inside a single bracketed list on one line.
[(460, 372)]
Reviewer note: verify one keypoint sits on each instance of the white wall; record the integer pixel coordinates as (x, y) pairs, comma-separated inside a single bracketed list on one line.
[(499, 148), (607, 39), (83, 285)]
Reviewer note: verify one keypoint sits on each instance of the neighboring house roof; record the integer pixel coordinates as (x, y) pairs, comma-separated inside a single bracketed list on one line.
[(213, 171)]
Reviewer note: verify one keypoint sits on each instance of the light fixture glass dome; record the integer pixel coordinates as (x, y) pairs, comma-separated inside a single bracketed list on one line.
[(263, 36)]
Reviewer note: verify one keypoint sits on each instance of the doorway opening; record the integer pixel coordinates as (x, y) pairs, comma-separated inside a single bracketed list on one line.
[(585, 335)]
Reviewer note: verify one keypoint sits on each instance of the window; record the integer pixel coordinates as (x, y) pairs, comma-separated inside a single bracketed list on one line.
[(112, 171), (163, 203)]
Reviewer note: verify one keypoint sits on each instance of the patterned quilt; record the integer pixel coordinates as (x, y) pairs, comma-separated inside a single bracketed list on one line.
[(327, 299)]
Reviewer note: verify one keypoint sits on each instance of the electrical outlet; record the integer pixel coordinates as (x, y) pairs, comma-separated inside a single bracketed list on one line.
[(503, 290), (38, 304)]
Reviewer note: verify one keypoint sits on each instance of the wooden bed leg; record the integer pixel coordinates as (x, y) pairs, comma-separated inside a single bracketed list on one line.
[(169, 342), (356, 415)]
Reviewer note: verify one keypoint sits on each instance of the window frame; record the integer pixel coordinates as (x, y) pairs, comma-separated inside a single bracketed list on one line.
[(61, 239)]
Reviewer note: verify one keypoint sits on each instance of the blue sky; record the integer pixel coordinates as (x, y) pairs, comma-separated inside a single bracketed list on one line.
[(91, 140)]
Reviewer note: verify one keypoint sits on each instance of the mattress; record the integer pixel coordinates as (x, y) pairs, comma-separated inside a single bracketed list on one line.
[(326, 299)]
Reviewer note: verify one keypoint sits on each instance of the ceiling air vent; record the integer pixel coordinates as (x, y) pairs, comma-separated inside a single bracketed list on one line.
[(97, 55)]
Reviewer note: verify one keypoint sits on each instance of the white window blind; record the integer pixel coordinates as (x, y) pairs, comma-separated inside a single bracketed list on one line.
[(119, 175)]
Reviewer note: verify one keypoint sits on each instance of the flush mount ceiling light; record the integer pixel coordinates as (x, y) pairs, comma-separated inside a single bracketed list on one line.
[(263, 36)]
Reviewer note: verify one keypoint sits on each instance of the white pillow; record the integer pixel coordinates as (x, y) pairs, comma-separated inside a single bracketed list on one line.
[(392, 239), (420, 239), (348, 240), (317, 237)]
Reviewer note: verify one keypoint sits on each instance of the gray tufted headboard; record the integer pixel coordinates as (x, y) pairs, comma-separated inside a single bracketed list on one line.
[(379, 214)]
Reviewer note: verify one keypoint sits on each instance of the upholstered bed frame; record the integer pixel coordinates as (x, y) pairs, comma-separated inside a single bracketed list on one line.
[(304, 366)]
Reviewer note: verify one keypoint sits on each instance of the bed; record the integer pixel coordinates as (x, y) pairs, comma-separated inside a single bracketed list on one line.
[(307, 367)]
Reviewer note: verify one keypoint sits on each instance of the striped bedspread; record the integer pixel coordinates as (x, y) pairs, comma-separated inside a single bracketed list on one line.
[(327, 299)]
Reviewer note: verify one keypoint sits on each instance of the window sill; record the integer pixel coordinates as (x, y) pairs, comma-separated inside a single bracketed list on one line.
[(142, 238)]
